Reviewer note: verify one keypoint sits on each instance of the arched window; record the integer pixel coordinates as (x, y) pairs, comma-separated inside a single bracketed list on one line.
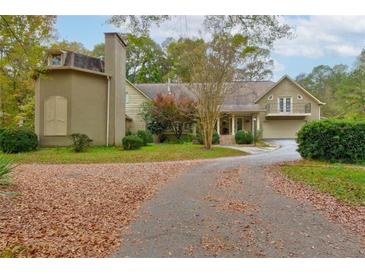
[(55, 116)]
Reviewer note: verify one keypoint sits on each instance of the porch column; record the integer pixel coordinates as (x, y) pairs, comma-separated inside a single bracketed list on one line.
[(252, 123), (233, 129), (258, 121), (218, 126)]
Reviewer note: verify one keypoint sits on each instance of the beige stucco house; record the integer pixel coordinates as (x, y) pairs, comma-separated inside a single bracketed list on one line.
[(83, 94), (279, 109)]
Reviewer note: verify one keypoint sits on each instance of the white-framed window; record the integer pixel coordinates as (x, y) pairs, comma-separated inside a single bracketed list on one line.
[(126, 97), (270, 98), (299, 97), (285, 104), (55, 60)]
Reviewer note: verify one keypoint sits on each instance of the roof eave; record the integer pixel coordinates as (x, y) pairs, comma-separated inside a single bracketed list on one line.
[(139, 90), (78, 69), (295, 83)]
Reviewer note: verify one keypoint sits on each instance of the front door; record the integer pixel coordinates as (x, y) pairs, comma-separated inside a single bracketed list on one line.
[(225, 125), (247, 124), (239, 123)]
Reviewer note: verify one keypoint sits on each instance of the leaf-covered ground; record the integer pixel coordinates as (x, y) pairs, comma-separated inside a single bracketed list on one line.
[(76, 210)]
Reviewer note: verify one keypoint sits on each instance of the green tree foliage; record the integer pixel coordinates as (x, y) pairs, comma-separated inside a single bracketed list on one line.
[(145, 60), (178, 64), (139, 25), (71, 46), (260, 33), (352, 95), (341, 88), (22, 45), (98, 50), (154, 123)]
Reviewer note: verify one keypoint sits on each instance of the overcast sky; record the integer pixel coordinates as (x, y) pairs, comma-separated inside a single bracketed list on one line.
[(318, 40)]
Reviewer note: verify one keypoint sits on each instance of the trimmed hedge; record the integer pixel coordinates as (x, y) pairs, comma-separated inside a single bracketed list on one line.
[(146, 136), (243, 137), (332, 140), (15, 140), (132, 142)]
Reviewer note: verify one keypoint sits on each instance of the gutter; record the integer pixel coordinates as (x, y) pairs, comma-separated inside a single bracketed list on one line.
[(108, 112)]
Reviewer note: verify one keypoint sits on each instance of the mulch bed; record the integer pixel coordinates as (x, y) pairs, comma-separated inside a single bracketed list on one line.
[(351, 217), (76, 210)]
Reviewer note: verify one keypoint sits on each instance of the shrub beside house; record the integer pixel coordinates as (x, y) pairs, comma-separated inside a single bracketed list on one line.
[(333, 140)]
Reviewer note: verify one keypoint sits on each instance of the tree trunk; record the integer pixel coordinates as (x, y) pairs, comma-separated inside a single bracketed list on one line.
[(208, 134)]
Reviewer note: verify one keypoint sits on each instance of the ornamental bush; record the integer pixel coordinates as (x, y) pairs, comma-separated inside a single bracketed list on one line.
[(15, 140), (5, 168), (132, 142), (80, 142), (146, 136), (215, 138), (332, 140), (243, 137)]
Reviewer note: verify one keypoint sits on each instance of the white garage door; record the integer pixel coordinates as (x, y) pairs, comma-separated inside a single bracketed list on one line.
[(281, 129)]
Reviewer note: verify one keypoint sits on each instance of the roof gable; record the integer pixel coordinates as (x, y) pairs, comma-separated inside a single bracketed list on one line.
[(286, 77), (137, 89)]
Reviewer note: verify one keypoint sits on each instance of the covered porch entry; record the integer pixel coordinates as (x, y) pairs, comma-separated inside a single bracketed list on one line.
[(229, 123)]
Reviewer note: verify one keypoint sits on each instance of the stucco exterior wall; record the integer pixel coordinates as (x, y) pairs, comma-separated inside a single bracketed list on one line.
[(286, 127), (89, 101), (86, 105), (133, 108)]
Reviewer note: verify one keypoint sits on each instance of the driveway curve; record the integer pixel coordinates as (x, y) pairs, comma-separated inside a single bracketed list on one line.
[(227, 208)]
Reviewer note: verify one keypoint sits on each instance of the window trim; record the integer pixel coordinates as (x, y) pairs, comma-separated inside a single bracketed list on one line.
[(285, 104), (50, 60)]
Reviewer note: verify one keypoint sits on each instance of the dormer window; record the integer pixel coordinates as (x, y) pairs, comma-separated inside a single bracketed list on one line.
[(55, 60)]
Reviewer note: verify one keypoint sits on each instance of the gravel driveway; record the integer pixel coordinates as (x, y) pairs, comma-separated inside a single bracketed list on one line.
[(227, 208)]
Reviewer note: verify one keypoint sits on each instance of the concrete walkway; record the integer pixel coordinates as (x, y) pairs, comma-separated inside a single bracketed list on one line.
[(227, 208), (252, 149)]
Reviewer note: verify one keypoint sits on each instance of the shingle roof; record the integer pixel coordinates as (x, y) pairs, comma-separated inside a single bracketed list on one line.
[(242, 98)]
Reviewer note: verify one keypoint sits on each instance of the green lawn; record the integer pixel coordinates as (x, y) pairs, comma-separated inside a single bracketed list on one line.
[(345, 182), (150, 153)]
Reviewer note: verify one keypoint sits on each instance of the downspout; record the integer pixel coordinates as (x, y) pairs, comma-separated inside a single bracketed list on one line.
[(108, 113)]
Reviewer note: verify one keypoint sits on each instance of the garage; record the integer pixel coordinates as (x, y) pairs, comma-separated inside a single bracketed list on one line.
[(281, 129)]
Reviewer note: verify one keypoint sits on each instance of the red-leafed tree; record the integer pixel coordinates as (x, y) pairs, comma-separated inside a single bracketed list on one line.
[(172, 111)]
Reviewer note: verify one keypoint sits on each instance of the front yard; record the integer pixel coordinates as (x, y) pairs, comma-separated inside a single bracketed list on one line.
[(344, 182), (150, 153), (76, 210), (336, 189)]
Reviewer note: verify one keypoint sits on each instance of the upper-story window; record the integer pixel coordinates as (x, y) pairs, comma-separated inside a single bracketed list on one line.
[(55, 60), (285, 104), (271, 97)]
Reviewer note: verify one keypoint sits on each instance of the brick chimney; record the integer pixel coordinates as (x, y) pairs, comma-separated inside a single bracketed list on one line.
[(115, 59)]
